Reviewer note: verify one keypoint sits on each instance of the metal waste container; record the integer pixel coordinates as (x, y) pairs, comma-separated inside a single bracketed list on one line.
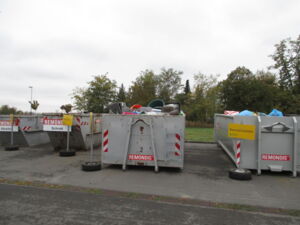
[(28, 130), (148, 140), (274, 146), (80, 135)]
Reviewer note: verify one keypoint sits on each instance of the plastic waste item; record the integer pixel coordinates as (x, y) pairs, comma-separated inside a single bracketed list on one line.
[(156, 110), (154, 113), (275, 112), (246, 113), (144, 109), (231, 113), (172, 109), (129, 113), (115, 108), (136, 106), (168, 108), (157, 104)]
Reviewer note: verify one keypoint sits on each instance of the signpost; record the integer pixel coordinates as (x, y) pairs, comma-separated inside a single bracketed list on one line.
[(91, 165), (240, 131), (59, 124), (68, 121), (12, 126)]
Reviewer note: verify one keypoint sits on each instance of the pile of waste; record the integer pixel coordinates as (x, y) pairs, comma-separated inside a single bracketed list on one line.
[(274, 112), (155, 107)]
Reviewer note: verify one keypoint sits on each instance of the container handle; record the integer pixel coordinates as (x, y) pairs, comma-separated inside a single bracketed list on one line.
[(283, 125)]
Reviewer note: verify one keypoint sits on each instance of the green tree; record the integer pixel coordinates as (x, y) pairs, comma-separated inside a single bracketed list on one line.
[(244, 90), (121, 97), (287, 62), (80, 99), (144, 88), (169, 83), (203, 103), (235, 91), (187, 88), (6, 109), (101, 91), (184, 97)]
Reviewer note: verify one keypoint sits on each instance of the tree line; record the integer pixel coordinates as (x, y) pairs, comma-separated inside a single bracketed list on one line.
[(276, 87), (260, 91)]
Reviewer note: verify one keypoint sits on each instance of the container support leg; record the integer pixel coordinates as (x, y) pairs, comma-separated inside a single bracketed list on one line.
[(259, 146), (153, 147), (295, 147), (92, 136), (226, 150), (68, 138), (12, 135), (127, 145)]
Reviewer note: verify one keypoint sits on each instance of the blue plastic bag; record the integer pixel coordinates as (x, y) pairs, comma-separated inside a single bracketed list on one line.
[(275, 112), (246, 113)]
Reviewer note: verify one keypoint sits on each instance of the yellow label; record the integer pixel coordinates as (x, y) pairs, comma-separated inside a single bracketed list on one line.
[(11, 118), (91, 120), (67, 120), (241, 131)]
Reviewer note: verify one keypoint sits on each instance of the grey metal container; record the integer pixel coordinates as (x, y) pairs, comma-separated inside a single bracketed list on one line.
[(275, 148), (30, 131), (149, 140), (80, 134)]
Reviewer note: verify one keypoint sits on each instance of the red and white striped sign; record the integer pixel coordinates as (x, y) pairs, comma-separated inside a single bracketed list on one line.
[(81, 123), (140, 157), (105, 141), (177, 145), (26, 128), (275, 157), (238, 152)]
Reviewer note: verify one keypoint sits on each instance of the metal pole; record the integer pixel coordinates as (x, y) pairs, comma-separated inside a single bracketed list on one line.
[(92, 135), (12, 132), (68, 138), (31, 87)]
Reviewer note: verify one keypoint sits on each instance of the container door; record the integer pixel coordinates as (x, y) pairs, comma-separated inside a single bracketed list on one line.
[(277, 143), (141, 143)]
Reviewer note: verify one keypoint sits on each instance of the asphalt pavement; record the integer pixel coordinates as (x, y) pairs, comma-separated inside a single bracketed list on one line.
[(204, 177), (39, 206)]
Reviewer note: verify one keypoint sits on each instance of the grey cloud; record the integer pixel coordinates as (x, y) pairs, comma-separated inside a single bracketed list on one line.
[(58, 45), (51, 49)]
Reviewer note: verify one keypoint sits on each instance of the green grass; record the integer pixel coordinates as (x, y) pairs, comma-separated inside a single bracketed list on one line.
[(199, 134)]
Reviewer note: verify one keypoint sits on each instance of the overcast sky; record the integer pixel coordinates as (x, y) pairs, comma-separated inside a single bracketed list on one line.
[(58, 45)]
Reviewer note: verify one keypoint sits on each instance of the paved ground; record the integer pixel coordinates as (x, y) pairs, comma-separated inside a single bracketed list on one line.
[(28, 205), (204, 177)]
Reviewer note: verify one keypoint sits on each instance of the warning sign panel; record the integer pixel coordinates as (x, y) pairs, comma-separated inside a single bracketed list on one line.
[(275, 157), (241, 131), (5, 126), (54, 125), (67, 120), (140, 157)]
